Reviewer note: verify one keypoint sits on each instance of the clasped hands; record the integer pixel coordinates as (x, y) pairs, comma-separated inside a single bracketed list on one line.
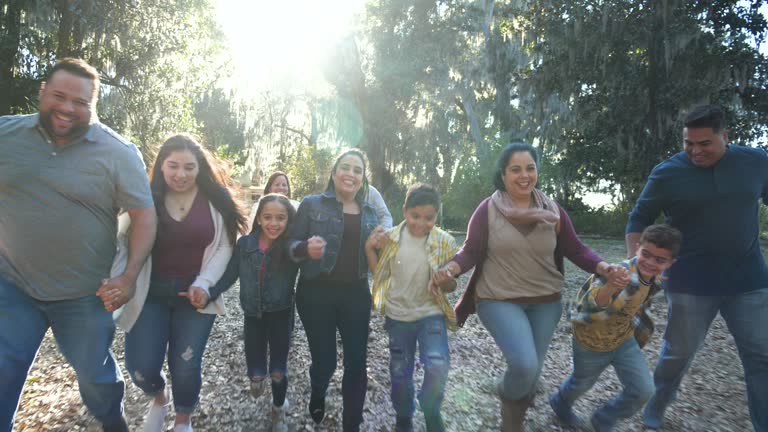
[(377, 239), (117, 291), (615, 275), (444, 280)]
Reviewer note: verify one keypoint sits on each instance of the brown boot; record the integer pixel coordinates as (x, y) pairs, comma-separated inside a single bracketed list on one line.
[(531, 399), (513, 413)]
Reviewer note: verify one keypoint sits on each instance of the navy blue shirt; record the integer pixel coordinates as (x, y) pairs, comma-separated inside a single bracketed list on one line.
[(716, 209)]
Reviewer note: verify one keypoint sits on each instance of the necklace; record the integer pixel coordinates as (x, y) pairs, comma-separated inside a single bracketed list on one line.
[(183, 203)]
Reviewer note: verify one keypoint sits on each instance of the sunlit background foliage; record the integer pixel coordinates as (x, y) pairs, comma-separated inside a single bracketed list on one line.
[(431, 90)]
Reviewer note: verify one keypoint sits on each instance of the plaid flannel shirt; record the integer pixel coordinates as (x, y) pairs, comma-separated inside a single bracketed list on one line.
[(603, 328), (441, 247)]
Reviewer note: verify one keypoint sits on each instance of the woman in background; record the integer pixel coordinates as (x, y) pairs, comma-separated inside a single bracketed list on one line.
[(277, 183)]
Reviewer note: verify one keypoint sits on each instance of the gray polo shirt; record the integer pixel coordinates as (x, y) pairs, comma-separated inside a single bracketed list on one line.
[(59, 205)]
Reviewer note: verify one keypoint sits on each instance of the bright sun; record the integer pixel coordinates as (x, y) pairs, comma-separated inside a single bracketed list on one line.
[(283, 42)]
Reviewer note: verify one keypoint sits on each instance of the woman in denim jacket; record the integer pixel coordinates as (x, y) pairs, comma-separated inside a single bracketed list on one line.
[(328, 240), (267, 276)]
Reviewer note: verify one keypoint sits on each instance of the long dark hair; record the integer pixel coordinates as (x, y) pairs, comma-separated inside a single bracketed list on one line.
[(272, 179), (363, 192), (212, 180), (280, 245)]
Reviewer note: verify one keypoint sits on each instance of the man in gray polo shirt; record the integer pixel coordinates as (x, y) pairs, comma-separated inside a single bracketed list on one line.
[(63, 178)]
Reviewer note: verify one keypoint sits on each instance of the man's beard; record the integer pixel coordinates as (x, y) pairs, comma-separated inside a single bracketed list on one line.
[(75, 131)]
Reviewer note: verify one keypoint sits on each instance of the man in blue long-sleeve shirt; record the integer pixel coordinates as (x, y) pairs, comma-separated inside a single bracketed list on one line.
[(711, 193)]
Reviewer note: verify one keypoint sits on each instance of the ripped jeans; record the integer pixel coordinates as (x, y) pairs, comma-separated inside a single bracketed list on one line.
[(269, 334), (432, 337), (169, 324)]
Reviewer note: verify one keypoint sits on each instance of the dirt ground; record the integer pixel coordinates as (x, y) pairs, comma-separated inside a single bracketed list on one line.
[(711, 398)]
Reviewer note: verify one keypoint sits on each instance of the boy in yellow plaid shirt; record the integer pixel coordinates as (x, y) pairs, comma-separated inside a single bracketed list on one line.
[(416, 309), (603, 333)]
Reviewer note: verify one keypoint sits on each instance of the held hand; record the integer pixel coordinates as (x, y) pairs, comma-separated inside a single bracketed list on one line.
[(378, 238), (616, 278), (373, 242), (438, 284), (381, 236), (446, 274), (615, 275), (604, 269), (316, 247), (197, 297), (116, 292), (441, 276), (370, 244), (433, 287)]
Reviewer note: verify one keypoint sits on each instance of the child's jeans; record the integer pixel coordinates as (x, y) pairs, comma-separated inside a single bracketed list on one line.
[(432, 337), (632, 370), (270, 333)]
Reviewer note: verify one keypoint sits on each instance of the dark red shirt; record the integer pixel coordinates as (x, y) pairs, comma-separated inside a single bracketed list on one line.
[(180, 245), (347, 262)]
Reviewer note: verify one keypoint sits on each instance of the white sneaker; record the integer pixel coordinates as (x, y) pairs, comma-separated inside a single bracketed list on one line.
[(279, 423), (154, 421), (258, 387), (183, 427)]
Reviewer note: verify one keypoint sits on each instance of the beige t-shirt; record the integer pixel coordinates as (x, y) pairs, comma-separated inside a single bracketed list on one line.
[(408, 298), (520, 261)]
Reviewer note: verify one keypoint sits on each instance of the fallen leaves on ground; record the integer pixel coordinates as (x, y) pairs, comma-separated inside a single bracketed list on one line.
[(712, 397)]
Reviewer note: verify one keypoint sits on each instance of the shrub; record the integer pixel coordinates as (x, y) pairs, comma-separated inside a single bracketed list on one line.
[(600, 222)]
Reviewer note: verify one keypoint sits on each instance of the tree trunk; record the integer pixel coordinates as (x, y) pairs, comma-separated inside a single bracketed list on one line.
[(467, 105), (10, 25), (66, 21), (653, 78)]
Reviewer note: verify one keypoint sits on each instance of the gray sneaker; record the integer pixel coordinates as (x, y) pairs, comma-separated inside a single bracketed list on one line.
[(279, 423)]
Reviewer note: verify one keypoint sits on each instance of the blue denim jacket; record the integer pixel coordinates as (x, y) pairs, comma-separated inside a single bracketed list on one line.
[(322, 215), (268, 292)]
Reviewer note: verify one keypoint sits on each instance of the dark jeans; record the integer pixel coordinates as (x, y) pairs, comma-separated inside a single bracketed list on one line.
[(169, 324), (83, 330), (323, 308), (271, 332), (432, 337)]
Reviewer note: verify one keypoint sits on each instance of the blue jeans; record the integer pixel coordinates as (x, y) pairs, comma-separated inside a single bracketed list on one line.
[(83, 330), (689, 318), (169, 324), (432, 337), (632, 370), (523, 333)]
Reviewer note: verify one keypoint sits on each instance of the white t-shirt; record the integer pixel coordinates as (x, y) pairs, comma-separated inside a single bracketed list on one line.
[(408, 298)]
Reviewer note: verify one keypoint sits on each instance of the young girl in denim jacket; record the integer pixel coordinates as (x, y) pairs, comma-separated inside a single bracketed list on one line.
[(267, 277)]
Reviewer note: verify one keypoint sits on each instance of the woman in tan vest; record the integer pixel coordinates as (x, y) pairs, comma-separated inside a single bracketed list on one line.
[(516, 240)]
